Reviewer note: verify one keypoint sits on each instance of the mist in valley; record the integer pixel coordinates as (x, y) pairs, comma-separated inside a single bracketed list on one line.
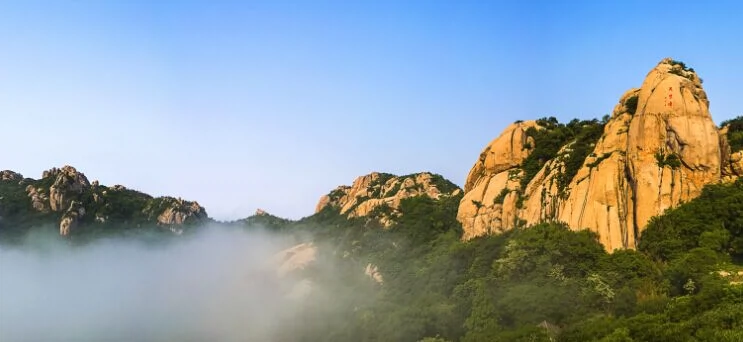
[(219, 284)]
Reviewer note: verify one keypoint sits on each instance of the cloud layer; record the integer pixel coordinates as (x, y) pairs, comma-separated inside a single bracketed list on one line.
[(218, 285)]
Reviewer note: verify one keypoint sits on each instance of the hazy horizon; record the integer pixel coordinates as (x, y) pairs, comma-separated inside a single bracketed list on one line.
[(271, 105)]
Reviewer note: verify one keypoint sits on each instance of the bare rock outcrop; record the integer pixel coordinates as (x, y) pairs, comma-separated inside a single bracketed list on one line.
[(290, 263), (504, 153), (734, 166), (39, 198), (491, 190), (7, 175), (295, 258), (383, 192), (71, 218), (659, 148), (543, 196), (372, 271), (600, 194), (68, 183), (178, 211), (732, 161), (673, 144)]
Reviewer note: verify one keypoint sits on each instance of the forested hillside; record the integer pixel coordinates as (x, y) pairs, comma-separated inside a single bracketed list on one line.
[(539, 283)]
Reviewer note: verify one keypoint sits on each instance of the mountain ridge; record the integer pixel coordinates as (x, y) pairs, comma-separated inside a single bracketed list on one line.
[(65, 197)]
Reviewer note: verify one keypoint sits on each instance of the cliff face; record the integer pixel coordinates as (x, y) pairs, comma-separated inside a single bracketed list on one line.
[(489, 202), (658, 149), (381, 194), (600, 196), (68, 183)]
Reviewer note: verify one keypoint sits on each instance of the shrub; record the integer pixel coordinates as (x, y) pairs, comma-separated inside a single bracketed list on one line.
[(631, 104), (501, 196), (735, 133), (672, 160)]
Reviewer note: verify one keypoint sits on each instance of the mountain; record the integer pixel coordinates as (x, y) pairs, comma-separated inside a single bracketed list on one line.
[(379, 194), (657, 150), (65, 197)]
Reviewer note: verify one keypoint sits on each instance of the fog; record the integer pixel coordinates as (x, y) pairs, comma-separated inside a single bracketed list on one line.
[(217, 285)]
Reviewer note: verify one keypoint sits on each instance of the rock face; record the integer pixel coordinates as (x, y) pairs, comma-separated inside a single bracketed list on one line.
[(295, 258), (673, 119), (600, 194), (383, 192), (732, 161), (39, 198), (71, 218), (659, 149), (504, 153), (290, 263), (7, 175), (372, 271), (178, 211), (68, 183), (489, 202)]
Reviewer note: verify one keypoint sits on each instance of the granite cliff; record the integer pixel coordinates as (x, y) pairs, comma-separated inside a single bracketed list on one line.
[(658, 149)]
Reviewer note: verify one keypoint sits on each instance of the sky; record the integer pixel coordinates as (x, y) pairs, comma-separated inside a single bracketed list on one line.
[(242, 105)]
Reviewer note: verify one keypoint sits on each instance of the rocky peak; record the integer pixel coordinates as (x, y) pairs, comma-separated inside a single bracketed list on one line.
[(490, 199), (673, 145), (7, 175), (382, 190), (505, 152), (659, 148), (68, 183), (66, 171), (176, 211)]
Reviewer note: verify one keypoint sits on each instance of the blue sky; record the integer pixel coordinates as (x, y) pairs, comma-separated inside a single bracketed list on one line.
[(270, 104)]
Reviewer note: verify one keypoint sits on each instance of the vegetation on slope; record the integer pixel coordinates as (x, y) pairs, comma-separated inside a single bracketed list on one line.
[(108, 210), (631, 104), (16, 213), (582, 137), (735, 133), (542, 283)]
